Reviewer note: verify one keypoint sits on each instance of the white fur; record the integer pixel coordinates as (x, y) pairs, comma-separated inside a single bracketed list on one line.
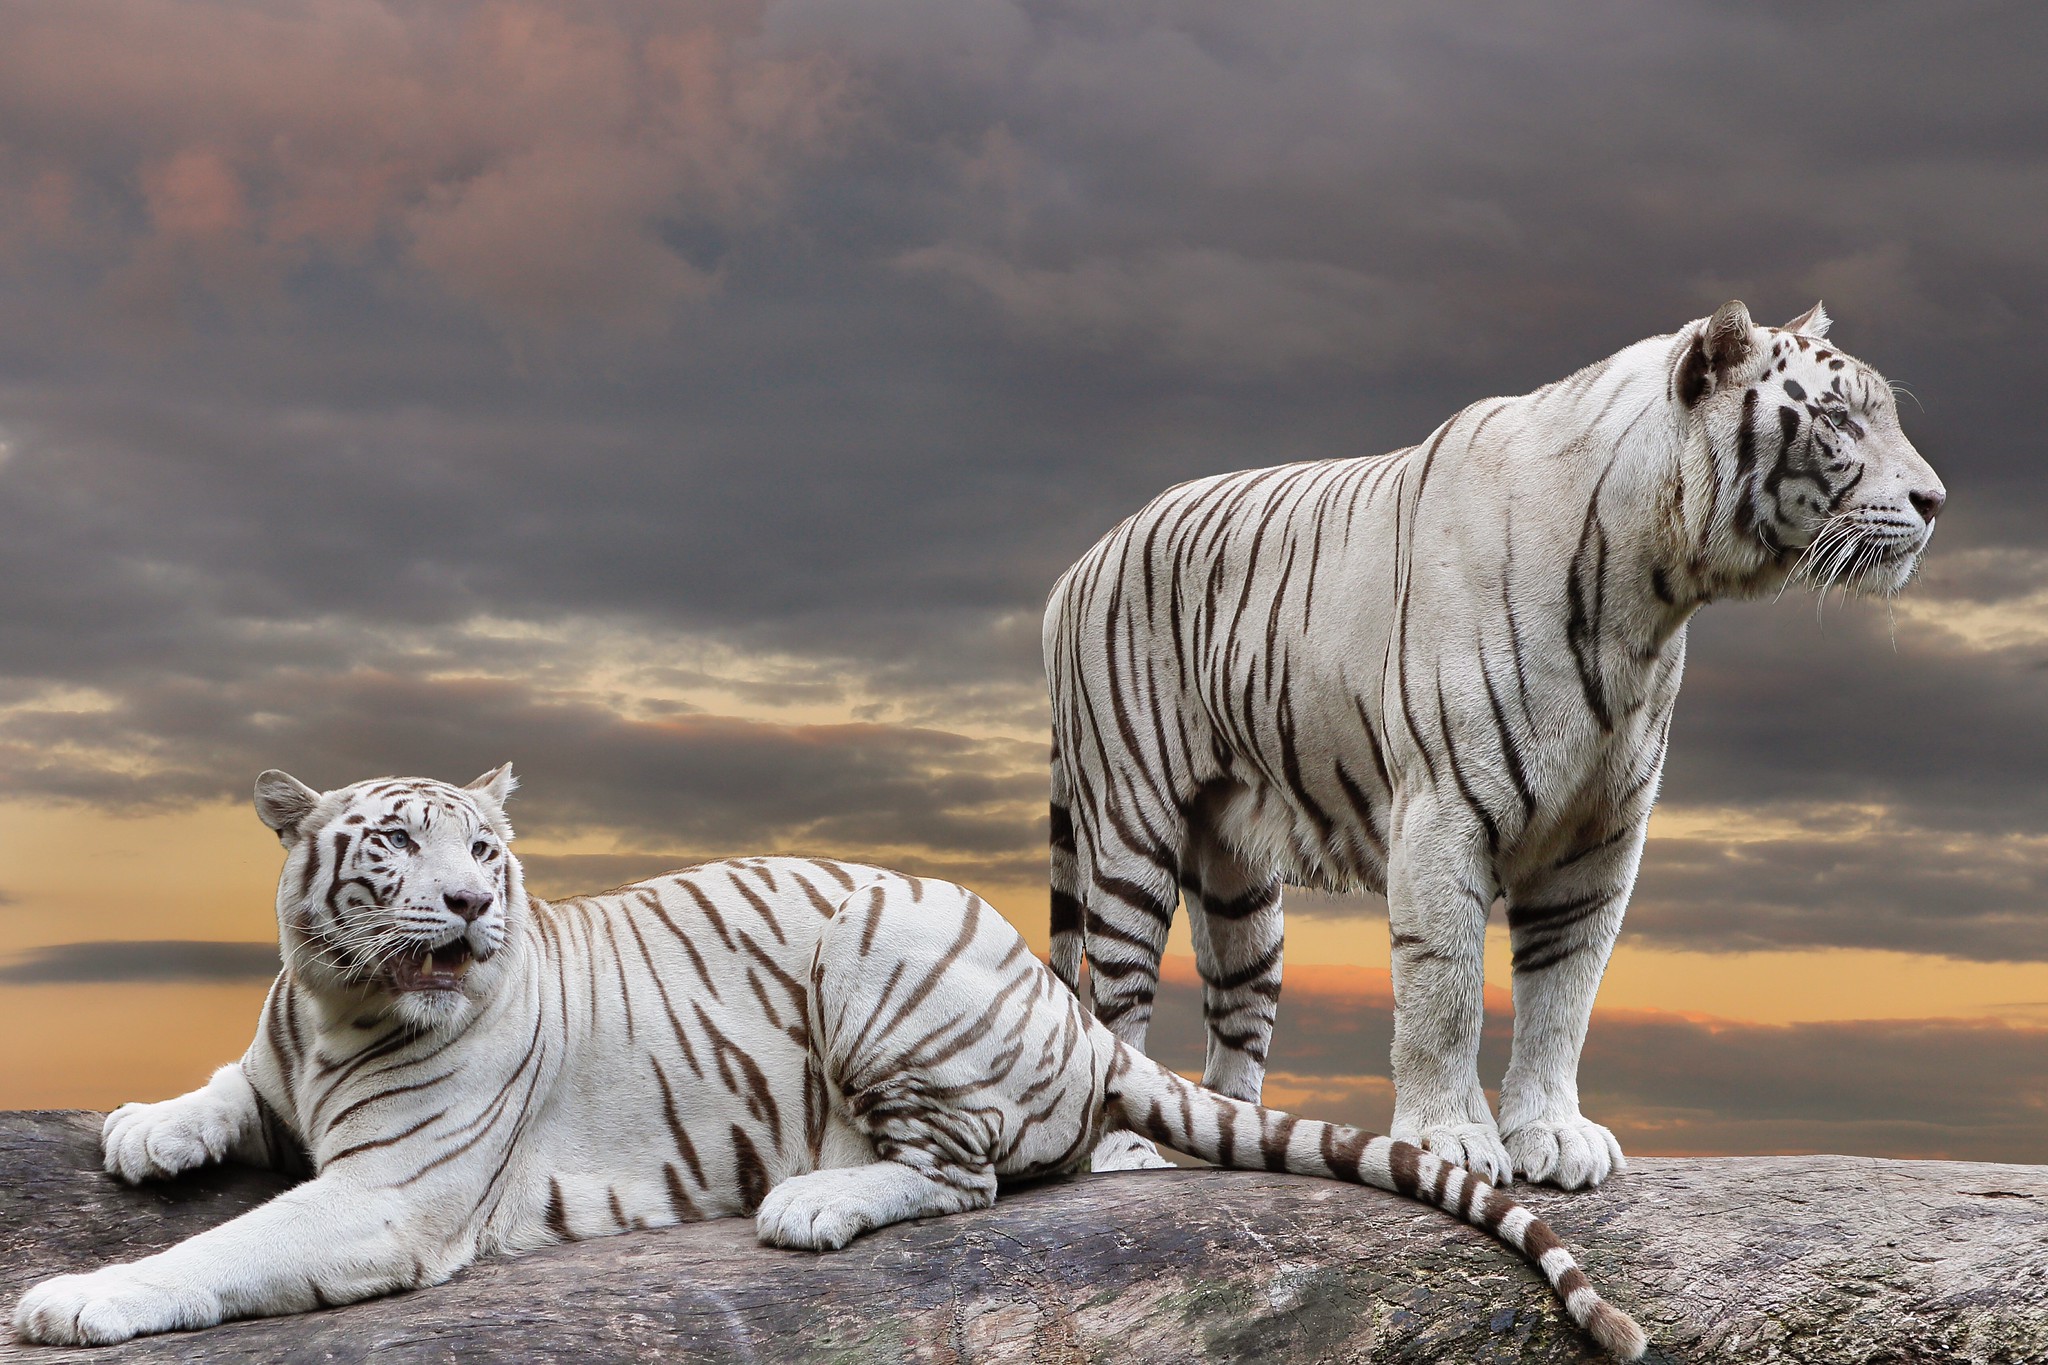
[(1477, 642), (543, 1099)]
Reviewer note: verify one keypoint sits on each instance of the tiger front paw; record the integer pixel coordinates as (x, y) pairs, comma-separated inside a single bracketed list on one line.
[(110, 1305), (1474, 1145), (1571, 1152), (822, 1211), (152, 1141)]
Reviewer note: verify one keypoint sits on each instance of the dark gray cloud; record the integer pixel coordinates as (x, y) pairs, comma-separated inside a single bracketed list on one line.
[(834, 331), (1778, 707), (1674, 1084), (1039, 269), (1881, 886), (141, 960), (690, 780), (1821, 879)]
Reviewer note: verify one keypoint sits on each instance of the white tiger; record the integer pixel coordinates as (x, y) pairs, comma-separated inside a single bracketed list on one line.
[(1446, 674), (463, 1069)]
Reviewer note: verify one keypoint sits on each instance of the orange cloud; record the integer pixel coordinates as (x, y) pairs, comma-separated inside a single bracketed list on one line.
[(1330, 984)]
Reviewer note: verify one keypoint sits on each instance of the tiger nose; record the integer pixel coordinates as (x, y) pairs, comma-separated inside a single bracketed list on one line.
[(468, 904), (1927, 502)]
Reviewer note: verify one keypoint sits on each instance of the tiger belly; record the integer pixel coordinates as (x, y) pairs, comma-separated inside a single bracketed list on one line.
[(691, 1087)]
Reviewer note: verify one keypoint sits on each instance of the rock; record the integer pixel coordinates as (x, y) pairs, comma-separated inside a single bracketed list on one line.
[(1840, 1260)]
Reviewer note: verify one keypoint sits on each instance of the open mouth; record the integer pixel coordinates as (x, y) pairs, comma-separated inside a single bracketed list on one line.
[(431, 969)]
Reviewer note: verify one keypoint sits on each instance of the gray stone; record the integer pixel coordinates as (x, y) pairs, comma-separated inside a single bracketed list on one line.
[(1840, 1260)]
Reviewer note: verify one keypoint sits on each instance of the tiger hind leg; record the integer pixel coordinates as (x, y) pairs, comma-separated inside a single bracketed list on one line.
[(1235, 920), (1069, 939), (1130, 904)]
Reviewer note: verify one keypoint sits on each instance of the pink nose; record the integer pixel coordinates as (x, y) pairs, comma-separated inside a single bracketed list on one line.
[(468, 904), (1928, 502)]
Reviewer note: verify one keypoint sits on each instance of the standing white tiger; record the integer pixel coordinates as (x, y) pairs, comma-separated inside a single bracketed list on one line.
[(829, 1047), (1446, 674)]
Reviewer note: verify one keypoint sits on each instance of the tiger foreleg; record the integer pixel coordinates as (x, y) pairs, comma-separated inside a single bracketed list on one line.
[(219, 1121), (1562, 928), (1438, 894), (329, 1241)]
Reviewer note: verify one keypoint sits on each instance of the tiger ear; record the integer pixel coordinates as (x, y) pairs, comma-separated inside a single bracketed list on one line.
[(1724, 343), (1729, 337), (282, 802), (1814, 322), (495, 785)]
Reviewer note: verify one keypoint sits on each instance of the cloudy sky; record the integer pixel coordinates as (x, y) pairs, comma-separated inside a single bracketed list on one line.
[(693, 403)]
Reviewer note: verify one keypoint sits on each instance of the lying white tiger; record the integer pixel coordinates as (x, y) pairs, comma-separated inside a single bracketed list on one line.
[(829, 1047), (1446, 674)]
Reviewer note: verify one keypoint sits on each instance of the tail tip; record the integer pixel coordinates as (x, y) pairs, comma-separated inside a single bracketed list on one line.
[(1617, 1333)]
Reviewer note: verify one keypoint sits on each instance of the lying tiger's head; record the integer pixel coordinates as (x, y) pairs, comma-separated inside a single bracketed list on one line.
[(398, 893), (1822, 481)]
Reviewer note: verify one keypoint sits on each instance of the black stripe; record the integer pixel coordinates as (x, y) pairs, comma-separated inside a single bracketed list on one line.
[(1486, 819), (558, 1213), (1509, 749), (1586, 606)]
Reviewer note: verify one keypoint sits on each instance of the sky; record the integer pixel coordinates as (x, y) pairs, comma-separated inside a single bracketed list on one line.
[(694, 402)]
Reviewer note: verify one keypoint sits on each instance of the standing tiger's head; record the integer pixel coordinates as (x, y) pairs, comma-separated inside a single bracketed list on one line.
[(398, 894), (1822, 482)]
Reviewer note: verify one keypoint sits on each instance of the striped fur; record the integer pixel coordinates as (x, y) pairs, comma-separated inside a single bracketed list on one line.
[(827, 1047), (1446, 674)]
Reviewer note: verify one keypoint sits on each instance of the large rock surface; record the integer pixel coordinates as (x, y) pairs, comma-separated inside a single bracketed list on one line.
[(1825, 1259)]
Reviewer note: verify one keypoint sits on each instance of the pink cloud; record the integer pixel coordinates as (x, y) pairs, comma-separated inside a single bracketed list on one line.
[(195, 194), (525, 157)]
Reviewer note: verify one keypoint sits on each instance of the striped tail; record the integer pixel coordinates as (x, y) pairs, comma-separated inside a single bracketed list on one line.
[(1169, 1109)]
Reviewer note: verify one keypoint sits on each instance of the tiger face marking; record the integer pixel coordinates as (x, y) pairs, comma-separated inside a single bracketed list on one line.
[(825, 1047), (397, 894), (1445, 674), (1825, 479)]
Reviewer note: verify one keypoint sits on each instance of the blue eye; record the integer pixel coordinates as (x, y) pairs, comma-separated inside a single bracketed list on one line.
[(479, 849), (398, 839)]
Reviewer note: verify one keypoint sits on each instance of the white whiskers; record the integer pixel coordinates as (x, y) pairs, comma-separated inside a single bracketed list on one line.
[(1844, 554)]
